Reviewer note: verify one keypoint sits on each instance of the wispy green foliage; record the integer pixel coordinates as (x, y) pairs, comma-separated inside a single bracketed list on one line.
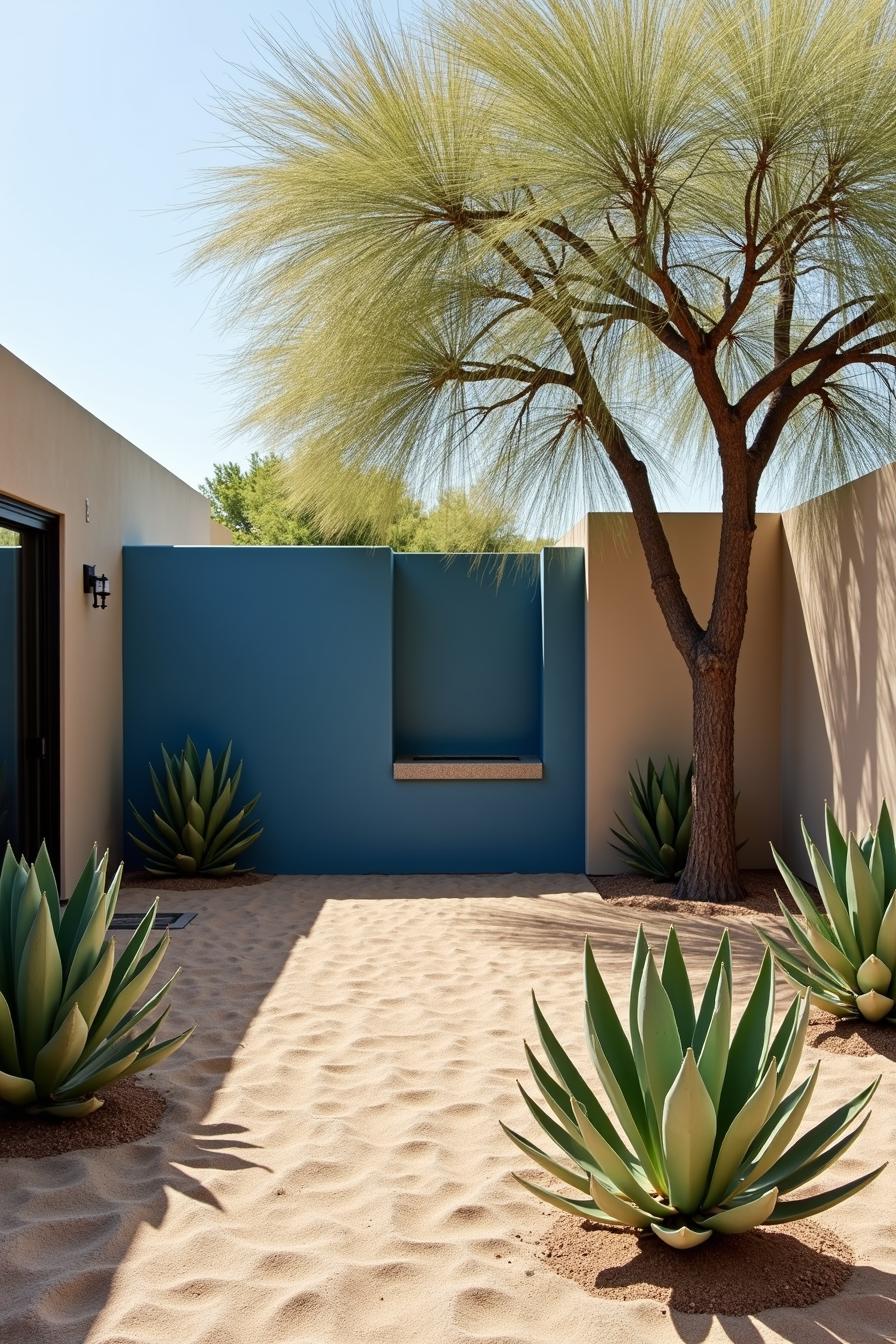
[(538, 242), (255, 504), (702, 1136)]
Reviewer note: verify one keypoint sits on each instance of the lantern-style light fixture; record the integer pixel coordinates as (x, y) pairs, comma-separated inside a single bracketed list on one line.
[(97, 584)]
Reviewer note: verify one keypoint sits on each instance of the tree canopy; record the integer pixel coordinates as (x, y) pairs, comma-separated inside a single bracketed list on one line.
[(254, 502), (544, 241)]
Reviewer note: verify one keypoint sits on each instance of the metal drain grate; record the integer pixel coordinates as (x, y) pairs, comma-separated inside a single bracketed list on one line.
[(170, 919)]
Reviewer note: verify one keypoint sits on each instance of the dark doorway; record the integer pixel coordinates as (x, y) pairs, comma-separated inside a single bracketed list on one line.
[(29, 679)]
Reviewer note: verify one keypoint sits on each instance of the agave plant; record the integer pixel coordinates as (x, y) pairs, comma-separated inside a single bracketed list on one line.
[(704, 1120), (663, 813), (847, 950), (193, 833), (68, 1013)]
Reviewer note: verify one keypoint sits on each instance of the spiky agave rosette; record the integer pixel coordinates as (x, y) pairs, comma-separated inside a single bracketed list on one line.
[(847, 950), (705, 1122), (663, 813), (192, 833), (68, 1010)]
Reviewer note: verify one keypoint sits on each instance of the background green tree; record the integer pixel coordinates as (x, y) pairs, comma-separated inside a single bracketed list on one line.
[(560, 245), (255, 503)]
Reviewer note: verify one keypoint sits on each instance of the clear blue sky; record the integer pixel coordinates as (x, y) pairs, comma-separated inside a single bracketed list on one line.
[(105, 108), (106, 116)]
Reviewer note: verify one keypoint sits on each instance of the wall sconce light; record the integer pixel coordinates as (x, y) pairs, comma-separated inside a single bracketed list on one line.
[(98, 584)]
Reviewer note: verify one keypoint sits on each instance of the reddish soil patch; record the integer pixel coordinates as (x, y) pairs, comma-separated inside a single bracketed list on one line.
[(851, 1036), (138, 878), (130, 1112), (639, 893), (790, 1266)]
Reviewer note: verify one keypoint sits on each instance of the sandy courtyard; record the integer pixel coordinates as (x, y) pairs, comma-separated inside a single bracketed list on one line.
[(330, 1168)]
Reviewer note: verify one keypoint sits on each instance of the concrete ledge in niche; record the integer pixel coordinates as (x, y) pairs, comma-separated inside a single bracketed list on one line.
[(467, 767)]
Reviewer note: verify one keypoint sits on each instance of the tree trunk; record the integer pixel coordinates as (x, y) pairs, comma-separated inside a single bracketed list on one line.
[(711, 873)]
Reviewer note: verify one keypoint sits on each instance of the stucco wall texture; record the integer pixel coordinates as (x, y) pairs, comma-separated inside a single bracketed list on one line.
[(838, 726), (292, 652), (55, 456)]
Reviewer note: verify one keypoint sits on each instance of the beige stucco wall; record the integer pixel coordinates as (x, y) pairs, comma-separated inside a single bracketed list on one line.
[(56, 456), (839, 656), (638, 700)]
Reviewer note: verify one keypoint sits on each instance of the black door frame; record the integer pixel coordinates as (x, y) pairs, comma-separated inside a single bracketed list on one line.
[(39, 677)]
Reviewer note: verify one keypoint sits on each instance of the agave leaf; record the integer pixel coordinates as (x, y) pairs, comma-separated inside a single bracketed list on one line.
[(71, 1110), (819, 1136), (131, 953), (219, 809), (38, 985), (737, 1139), (186, 863), (151, 850), (689, 1132), (194, 841), (675, 981), (789, 1210), (835, 904), (713, 1058), (683, 837), (865, 906), (615, 1048), (801, 897), (812, 1169), (876, 869), (888, 849), (621, 1211), (619, 1172), (817, 954), (9, 870), (17, 1091), (91, 1082), (130, 1020), (637, 1137), (886, 934), (665, 822), (116, 1005), (89, 994), (543, 1159), (742, 1217), (47, 882), (9, 1050), (175, 802), (681, 1238), (61, 1053), (749, 1045), (580, 1208), (659, 1034), (572, 1147), (721, 966), (237, 848), (207, 783), (24, 914), (787, 1047), (561, 1101), (837, 849), (773, 1138)]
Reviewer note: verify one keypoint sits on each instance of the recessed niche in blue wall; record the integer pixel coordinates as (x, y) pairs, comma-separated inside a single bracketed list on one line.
[(467, 647), (291, 650)]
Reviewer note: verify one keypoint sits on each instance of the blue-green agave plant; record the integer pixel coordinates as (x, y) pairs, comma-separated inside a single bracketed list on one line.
[(661, 807), (192, 832), (703, 1139), (846, 951), (69, 1013)]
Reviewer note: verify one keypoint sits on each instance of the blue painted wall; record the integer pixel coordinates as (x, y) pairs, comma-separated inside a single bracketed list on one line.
[(291, 651)]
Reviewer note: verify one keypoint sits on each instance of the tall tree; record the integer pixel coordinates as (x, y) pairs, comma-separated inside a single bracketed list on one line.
[(572, 241)]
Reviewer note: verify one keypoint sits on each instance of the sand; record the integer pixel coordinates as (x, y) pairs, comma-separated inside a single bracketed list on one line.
[(329, 1168)]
